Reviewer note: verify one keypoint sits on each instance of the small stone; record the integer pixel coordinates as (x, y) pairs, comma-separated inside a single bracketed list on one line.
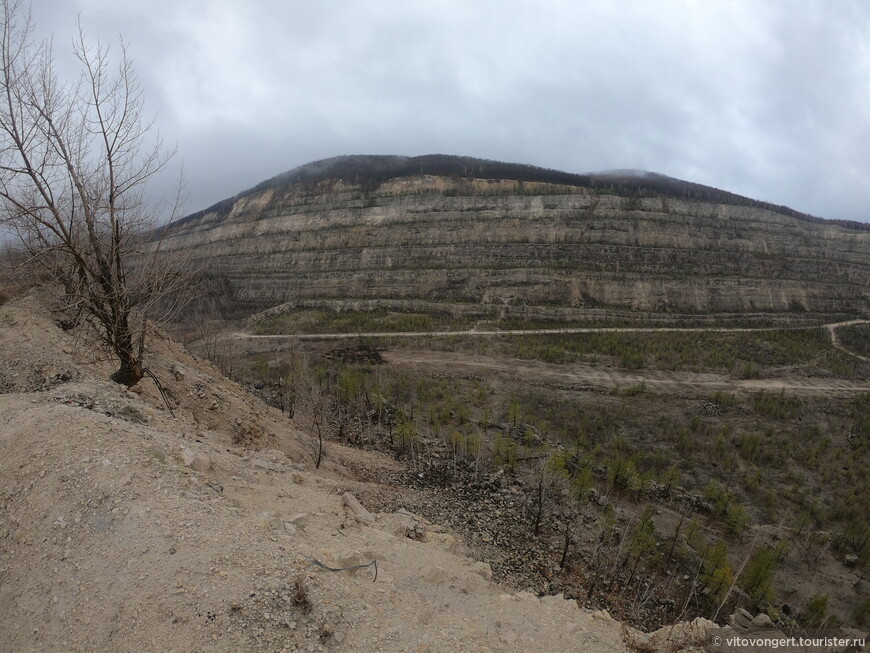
[(265, 464), (763, 621), (187, 457), (272, 455), (353, 504), (202, 463), (483, 570), (269, 520), (433, 574), (300, 519), (851, 560), (349, 558), (198, 462), (510, 637), (740, 619)]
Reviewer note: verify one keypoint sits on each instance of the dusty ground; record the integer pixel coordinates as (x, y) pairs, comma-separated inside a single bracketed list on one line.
[(126, 529)]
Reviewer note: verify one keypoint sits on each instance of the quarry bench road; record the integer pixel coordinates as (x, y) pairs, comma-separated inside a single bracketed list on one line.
[(832, 330), (579, 376)]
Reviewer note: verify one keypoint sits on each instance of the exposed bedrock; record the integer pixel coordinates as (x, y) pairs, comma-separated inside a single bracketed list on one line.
[(427, 240)]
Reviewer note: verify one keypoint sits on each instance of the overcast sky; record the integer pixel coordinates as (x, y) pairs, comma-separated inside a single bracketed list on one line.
[(766, 98)]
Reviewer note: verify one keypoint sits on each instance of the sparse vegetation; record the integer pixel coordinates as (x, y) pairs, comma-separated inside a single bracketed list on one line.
[(856, 338), (320, 321), (729, 460), (666, 473), (806, 349), (301, 598)]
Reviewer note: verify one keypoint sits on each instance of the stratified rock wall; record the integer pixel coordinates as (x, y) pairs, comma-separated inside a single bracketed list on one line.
[(469, 243)]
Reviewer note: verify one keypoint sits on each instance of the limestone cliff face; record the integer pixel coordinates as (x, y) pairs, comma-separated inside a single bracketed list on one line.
[(466, 244)]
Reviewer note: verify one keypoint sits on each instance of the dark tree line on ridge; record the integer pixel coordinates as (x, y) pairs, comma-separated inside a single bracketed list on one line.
[(370, 171)]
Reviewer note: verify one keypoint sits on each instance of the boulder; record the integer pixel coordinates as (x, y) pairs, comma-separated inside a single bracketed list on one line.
[(197, 461), (762, 620), (681, 636), (740, 619)]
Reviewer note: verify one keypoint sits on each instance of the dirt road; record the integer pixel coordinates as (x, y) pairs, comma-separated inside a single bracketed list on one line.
[(832, 330), (577, 376), (520, 332), (835, 340)]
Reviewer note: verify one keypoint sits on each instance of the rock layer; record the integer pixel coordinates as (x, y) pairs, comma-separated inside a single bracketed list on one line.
[(522, 247)]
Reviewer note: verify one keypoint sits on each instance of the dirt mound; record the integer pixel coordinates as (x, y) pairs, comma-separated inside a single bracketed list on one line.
[(124, 527), (37, 355)]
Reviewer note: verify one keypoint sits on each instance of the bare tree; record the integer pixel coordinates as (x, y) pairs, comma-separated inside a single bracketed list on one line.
[(313, 401), (543, 477), (75, 162)]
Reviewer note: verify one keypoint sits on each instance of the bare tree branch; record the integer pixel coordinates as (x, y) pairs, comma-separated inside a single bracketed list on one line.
[(75, 160)]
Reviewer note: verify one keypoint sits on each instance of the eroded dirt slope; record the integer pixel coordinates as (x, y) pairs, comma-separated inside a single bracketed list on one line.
[(124, 528)]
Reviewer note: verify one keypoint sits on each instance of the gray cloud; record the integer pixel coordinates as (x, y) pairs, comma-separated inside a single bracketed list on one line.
[(763, 99)]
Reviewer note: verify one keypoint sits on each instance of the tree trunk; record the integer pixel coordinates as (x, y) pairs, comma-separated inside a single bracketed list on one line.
[(319, 449), (674, 542), (591, 589), (539, 507), (633, 569), (565, 546), (131, 369), (130, 372)]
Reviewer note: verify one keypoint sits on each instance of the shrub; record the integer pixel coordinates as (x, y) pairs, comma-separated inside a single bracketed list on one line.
[(757, 578), (814, 614), (776, 404), (631, 359)]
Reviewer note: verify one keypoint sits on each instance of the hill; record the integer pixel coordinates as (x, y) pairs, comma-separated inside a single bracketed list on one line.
[(126, 528), (467, 237)]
